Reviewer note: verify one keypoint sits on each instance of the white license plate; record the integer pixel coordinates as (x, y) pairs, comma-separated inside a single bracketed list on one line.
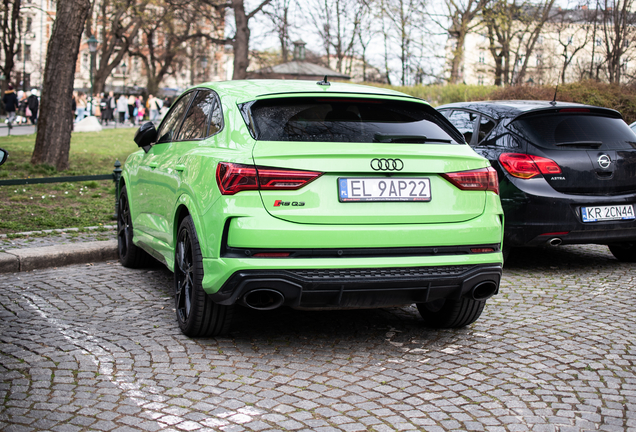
[(384, 189), (606, 213)]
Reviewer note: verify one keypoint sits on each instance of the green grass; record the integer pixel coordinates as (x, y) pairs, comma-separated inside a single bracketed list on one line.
[(62, 205)]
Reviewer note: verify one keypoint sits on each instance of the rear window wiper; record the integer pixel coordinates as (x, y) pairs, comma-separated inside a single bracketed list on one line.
[(397, 138), (593, 144)]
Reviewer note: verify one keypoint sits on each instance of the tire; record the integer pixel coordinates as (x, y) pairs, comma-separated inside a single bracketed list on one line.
[(625, 252), (130, 255), (505, 251), (197, 314), (450, 313)]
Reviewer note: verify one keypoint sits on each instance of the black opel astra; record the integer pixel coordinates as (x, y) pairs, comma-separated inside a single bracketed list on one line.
[(567, 172)]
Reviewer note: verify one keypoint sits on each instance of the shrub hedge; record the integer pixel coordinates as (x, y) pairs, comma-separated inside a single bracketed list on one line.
[(619, 97)]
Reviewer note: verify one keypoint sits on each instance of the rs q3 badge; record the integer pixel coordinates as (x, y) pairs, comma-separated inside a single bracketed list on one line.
[(281, 203)]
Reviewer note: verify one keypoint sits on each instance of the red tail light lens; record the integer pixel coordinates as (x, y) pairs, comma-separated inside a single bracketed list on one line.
[(484, 179), (233, 178), (527, 166)]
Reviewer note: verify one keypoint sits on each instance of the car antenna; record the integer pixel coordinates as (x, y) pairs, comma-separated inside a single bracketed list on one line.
[(324, 82), (553, 103)]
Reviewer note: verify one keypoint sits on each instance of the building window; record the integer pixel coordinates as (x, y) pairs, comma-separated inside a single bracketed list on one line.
[(480, 79), (520, 61), (27, 52), (482, 57), (540, 40), (539, 59), (599, 41)]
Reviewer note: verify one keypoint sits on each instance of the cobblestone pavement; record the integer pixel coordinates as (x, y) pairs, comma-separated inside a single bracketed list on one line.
[(97, 348), (57, 237)]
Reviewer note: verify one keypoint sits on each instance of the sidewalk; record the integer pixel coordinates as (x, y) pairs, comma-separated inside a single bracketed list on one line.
[(25, 129), (57, 248)]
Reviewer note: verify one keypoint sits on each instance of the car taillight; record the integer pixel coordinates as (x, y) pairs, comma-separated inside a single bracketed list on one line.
[(233, 178), (484, 179), (527, 166)]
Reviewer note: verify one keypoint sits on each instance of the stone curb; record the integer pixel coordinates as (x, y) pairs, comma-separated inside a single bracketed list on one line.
[(20, 260)]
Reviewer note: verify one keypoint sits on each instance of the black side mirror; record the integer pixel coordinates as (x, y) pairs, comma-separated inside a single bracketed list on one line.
[(4, 155), (146, 135)]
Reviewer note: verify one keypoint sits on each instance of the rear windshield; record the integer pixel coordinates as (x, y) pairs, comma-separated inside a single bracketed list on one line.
[(574, 131), (348, 120)]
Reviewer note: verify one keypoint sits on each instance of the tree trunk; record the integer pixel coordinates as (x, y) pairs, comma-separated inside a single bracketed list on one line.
[(458, 59), (11, 37), (241, 41), (55, 124)]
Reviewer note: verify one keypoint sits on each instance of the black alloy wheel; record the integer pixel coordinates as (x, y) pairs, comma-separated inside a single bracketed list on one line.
[(129, 255), (197, 314)]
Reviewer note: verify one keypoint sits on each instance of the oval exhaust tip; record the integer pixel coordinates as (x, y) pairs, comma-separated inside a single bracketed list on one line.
[(263, 299), (555, 241), (483, 290)]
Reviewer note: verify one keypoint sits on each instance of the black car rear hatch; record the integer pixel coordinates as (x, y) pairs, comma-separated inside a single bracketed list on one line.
[(593, 147)]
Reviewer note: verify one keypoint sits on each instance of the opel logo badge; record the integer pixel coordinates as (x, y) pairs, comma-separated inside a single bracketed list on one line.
[(387, 164), (604, 161)]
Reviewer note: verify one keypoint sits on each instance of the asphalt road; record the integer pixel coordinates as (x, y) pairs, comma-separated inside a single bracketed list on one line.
[(96, 347)]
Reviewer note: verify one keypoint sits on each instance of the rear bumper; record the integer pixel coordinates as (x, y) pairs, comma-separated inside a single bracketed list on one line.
[(364, 287), (536, 213)]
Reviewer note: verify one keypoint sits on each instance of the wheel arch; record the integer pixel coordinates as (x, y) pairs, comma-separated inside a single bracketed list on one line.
[(186, 207)]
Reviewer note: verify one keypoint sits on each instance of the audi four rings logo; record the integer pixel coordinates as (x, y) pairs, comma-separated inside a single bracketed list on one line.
[(604, 161), (387, 164)]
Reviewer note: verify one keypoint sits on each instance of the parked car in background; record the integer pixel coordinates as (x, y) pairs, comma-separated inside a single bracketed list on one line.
[(3, 156), (315, 196), (567, 172)]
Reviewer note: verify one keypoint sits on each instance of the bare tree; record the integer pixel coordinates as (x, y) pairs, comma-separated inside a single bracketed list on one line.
[(462, 15), (513, 30), (116, 23), (241, 39), (338, 24), (279, 15), (11, 35), (55, 124), (618, 29), (534, 18), (405, 19), (572, 34), (165, 30)]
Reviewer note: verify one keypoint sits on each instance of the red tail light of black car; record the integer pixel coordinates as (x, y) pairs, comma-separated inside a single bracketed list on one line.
[(526, 166)]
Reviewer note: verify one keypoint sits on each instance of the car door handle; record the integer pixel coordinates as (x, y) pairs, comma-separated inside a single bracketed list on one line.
[(179, 167), (152, 165)]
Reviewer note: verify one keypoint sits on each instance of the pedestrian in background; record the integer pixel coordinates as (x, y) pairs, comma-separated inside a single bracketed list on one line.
[(10, 100), (153, 107), (132, 102), (81, 106), (33, 104), (141, 110), (97, 105), (22, 107), (122, 107)]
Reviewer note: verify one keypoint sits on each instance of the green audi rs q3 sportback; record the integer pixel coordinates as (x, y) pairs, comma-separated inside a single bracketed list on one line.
[(314, 196)]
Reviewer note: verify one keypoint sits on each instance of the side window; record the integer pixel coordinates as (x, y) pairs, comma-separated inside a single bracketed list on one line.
[(464, 121), (216, 119), (171, 123), (195, 125), (486, 124)]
